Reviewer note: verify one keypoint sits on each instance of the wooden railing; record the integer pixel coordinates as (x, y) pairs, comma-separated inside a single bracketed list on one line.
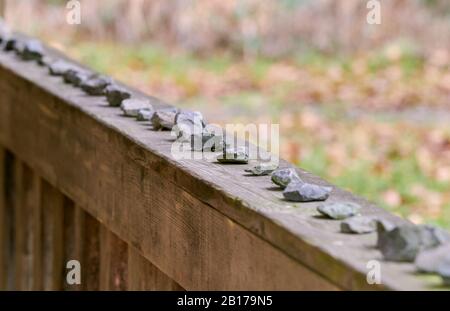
[(78, 181)]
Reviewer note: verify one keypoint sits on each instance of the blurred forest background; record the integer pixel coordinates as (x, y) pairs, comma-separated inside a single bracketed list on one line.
[(364, 106)]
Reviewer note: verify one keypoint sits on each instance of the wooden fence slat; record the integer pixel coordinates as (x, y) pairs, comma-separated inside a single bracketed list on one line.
[(26, 202), (73, 238), (19, 224), (144, 276), (113, 262), (3, 235), (7, 212), (90, 265), (37, 233), (52, 237)]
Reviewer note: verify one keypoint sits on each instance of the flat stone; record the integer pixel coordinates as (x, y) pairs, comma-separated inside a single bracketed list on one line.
[(30, 50), (339, 210), (382, 226), (262, 168), (96, 85), (432, 236), (298, 191), (76, 76), (402, 243), (405, 242), (116, 94), (145, 114), (9, 43), (46, 61), (188, 123), (59, 67), (210, 139), (358, 225), (131, 107), (282, 177), (430, 260), (238, 155), (190, 117), (164, 119)]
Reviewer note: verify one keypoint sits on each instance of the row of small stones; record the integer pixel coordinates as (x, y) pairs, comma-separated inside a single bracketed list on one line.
[(427, 246)]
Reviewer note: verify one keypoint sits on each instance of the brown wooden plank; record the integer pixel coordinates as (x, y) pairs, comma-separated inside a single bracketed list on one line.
[(113, 261), (73, 239), (20, 225), (37, 235), (7, 211), (3, 235), (27, 199), (139, 191), (52, 237), (144, 276), (90, 264)]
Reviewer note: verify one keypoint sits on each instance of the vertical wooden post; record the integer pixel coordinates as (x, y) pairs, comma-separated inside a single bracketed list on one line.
[(3, 235), (52, 239), (90, 265)]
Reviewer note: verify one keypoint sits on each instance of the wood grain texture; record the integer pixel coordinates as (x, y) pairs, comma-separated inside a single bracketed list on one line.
[(27, 200), (144, 276), (52, 237), (113, 261), (3, 235), (90, 264), (7, 218), (182, 213)]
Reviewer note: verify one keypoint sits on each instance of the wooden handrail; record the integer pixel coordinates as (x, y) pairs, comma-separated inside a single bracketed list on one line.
[(198, 224)]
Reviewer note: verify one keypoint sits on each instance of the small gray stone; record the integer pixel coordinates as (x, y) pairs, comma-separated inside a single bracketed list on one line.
[(432, 236), (282, 177), (209, 140), (188, 123), (358, 225), (116, 94), (190, 117), (339, 210), (164, 119), (430, 260), (95, 85), (30, 50), (262, 168), (298, 191), (59, 67), (9, 43), (382, 226), (435, 260), (131, 107), (145, 114), (405, 242), (76, 75), (46, 61), (402, 243), (238, 155)]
